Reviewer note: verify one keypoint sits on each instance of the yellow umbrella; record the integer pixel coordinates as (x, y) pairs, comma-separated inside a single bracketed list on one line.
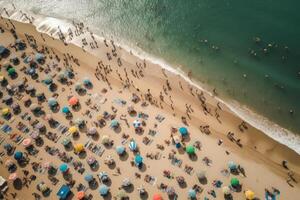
[(1, 78), (105, 139), (78, 148), (249, 195), (5, 111), (72, 129)]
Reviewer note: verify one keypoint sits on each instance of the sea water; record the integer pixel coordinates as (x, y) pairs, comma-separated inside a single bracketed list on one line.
[(249, 51)]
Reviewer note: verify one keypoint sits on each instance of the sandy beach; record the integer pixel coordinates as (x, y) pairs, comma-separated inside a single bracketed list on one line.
[(180, 131)]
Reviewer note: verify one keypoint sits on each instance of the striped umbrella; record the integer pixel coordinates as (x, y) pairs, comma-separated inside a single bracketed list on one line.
[(132, 145)]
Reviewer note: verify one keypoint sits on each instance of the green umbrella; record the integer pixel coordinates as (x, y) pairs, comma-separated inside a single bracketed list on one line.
[(11, 71), (190, 149), (235, 182)]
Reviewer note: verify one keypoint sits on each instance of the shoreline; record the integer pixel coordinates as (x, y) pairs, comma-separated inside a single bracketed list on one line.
[(268, 127), (269, 153)]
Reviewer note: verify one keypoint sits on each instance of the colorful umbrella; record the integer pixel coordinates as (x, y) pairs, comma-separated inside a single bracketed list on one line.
[(234, 182), (157, 197), (65, 110), (63, 167), (190, 149), (120, 149), (249, 195), (88, 177), (73, 129), (87, 82), (91, 160), (137, 123), (103, 190), (52, 102), (5, 111), (73, 101), (114, 123), (80, 195), (11, 71), (92, 131), (232, 165), (105, 139), (13, 176), (26, 142), (18, 155), (66, 141), (138, 159), (192, 193), (183, 131), (78, 148), (8, 163), (103, 176), (48, 80), (132, 145)]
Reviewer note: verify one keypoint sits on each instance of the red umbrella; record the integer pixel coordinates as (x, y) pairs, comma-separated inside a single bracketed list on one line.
[(13, 176), (73, 101), (26, 142), (157, 197)]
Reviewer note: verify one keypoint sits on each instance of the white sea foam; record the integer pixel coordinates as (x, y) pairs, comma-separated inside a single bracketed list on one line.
[(270, 128)]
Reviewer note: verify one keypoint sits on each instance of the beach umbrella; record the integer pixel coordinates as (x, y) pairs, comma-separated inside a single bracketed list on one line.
[(34, 134), (5, 111), (226, 190), (61, 76), (34, 107), (137, 123), (103, 176), (170, 191), (92, 131), (66, 141), (190, 149), (48, 80), (79, 122), (122, 195), (31, 71), (126, 182), (7, 98), (78, 86), (176, 139), (43, 187), (63, 167), (201, 175), (120, 149), (11, 71), (157, 197), (91, 160), (18, 155), (8, 163), (40, 96), (73, 129), (80, 195), (132, 145), (15, 106), (39, 126), (114, 123), (192, 193), (249, 195), (138, 159), (234, 182), (87, 81), (103, 190), (105, 139), (13, 176), (183, 131), (88, 177), (26, 142), (39, 57), (73, 101), (78, 148), (65, 109), (232, 165), (52, 102), (2, 78)]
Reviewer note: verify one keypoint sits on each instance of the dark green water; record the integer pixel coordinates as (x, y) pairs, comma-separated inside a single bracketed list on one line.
[(177, 30)]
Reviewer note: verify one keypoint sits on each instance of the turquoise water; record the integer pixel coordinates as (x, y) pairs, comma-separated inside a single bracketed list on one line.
[(213, 38)]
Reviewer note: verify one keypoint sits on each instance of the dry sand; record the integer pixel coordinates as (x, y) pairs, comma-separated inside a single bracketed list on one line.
[(260, 155)]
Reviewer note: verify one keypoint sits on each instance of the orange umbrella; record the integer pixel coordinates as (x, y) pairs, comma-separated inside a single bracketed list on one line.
[(13, 176), (80, 195), (157, 197), (73, 101)]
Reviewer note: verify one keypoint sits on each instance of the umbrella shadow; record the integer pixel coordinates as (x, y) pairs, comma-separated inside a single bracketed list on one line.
[(107, 182), (82, 155), (118, 129), (124, 157), (93, 185), (67, 176), (144, 196), (107, 197), (203, 181), (143, 168), (183, 185), (18, 184), (129, 189), (112, 166), (95, 168), (228, 197), (193, 157)]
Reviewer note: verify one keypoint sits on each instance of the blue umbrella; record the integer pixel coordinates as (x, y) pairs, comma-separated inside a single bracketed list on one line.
[(86, 81), (88, 177), (138, 159), (183, 131), (192, 193), (39, 57), (132, 145), (120, 150), (31, 71), (103, 190), (48, 80), (65, 110), (63, 167), (52, 102), (18, 155), (232, 165)]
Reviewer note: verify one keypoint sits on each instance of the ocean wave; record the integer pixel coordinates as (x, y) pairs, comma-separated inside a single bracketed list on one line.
[(49, 25)]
